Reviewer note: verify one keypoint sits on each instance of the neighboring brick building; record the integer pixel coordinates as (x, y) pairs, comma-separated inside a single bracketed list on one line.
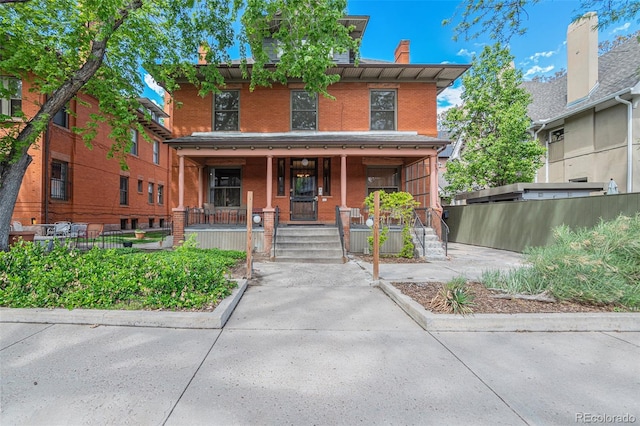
[(67, 181), (308, 155)]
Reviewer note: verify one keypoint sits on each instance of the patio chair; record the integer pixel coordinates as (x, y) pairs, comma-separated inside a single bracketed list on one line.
[(60, 229), (356, 216)]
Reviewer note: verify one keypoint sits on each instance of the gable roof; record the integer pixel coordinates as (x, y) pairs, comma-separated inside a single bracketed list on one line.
[(618, 73)]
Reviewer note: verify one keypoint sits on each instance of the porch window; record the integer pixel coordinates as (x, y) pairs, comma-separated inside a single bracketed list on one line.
[(383, 110), (280, 172), (326, 176), (11, 99), (225, 187), (385, 179), (226, 111), (59, 180), (124, 191), (304, 110)]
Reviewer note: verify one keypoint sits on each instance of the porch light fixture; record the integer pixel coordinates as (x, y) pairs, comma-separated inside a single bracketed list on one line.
[(305, 162), (361, 146), (270, 148), (257, 219), (380, 147), (288, 146), (252, 147), (325, 147), (197, 147), (215, 147), (306, 147), (233, 148)]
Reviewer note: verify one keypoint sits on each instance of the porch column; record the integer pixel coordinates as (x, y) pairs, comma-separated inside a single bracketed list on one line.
[(343, 180), (181, 182), (269, 180), (433, 182), (200, 186)]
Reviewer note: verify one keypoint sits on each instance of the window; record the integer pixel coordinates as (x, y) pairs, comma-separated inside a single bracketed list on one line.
[(225, 187), (383, 178), (557, 135), (160, 194), (150, 193), (156, 152), (383, 110), (124, 191), (304, 110), (134, 223), (226, 111), (124, 223), (326, 176), (151, 222), (139, 186), (281, 177), (60, 180), (11, 99), (61, 118), (134, 142)]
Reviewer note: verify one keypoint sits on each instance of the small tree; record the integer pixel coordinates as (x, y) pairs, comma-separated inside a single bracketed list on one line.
[(397, 205), (492, 125)]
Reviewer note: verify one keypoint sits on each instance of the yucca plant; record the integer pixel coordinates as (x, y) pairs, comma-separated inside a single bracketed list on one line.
[(454, 298)]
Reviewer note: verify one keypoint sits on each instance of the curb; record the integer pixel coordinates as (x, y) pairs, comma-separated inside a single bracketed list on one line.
[(161, 319), (553, 322)]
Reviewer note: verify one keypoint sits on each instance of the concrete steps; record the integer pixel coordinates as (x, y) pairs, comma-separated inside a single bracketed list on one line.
[(308, 244), (433, 246)]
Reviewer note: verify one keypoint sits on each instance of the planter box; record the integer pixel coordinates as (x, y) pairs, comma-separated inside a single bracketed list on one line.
[(14, 236)]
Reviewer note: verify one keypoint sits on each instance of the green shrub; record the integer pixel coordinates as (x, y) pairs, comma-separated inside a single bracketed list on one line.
[(454, 298), (397, 205), (599, 266), (187, 278)]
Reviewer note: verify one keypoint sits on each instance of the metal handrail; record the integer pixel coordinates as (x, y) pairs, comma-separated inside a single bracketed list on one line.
[(418, 227), (340, 228), (276, 223), (441, 228)]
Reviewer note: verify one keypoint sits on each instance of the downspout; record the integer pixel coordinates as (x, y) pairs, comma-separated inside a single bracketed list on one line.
[(546, 144), (629, 142)]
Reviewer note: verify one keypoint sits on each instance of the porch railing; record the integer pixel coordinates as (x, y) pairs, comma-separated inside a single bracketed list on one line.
[(221, 217), (340, 228)]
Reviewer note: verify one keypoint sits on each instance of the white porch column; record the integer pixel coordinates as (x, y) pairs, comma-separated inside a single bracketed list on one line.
[(200, 186), (433, 182), (269, 180), (180, 182), (343, 180)]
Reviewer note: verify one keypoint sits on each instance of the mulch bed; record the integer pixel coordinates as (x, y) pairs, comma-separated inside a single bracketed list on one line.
[(485, 302)]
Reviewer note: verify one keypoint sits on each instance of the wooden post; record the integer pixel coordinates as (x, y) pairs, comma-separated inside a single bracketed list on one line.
[(376, 235), (249, 232)]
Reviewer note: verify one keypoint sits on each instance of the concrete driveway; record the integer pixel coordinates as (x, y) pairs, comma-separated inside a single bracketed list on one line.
[(313, 344)]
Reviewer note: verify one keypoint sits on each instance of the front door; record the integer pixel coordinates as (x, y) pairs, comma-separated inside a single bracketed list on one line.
[(304, 189)]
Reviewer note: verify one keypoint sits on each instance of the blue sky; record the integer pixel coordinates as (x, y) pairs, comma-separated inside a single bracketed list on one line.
[(541, 51)]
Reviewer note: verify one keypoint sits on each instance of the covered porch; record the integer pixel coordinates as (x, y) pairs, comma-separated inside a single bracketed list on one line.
[(298, 178)]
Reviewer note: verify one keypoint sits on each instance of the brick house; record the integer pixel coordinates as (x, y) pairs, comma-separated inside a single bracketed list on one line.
[(66, 181), (306, 158)]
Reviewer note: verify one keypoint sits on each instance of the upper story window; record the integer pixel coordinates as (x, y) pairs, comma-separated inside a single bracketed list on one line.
[(150, 193), (556, 135), (383, 110), (304, 110), (134, 142), (61, 118), (226, 116), (11, 100), (156, 152)]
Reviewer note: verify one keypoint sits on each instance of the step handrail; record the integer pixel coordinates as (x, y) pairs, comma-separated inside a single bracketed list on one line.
[(439, 225), (276, 223), (340, 228), (418, 228)]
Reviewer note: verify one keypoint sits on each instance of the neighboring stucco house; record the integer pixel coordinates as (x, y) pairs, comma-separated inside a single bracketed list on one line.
[(589, 118), (307, 157), (66, 181)]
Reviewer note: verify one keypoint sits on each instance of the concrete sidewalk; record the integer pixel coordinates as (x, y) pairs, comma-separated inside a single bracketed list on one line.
[(313, 344)]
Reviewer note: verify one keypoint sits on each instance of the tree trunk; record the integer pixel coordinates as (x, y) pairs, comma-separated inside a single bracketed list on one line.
[(11, 176)]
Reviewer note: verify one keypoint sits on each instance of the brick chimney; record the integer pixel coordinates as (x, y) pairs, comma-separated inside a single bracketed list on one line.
[(402, 52), (582, 57), (202, 53)]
